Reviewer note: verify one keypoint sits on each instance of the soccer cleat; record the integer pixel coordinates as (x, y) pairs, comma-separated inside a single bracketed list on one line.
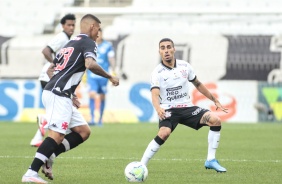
[(41, 122), (213, 164), (32, 179), (100, 123), (35, 142), (47, 169), (91, 124)]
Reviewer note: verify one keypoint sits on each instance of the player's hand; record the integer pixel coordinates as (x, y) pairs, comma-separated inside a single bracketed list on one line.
[(75, 102), (219, 106), (114, 73), (161, 113), (114, 80)]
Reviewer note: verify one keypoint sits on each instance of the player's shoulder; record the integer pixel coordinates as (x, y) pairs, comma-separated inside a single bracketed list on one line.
[(182, 63), (83, 38), (61, 36), (107, 44), (159, 69)]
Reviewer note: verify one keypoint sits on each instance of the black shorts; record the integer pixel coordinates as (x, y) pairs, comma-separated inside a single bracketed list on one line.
[(188, 116)]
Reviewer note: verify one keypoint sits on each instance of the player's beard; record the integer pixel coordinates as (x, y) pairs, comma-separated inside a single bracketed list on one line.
[(168, 60)]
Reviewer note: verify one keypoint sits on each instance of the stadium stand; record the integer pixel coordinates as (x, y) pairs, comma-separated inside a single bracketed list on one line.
[(23, 24), (26, 30), (29, 17), (247, 25), (250, 58)]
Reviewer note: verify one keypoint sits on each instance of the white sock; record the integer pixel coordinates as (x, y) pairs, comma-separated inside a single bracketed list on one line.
[(38, 135), (52, 157), (30, 172), (213, 141), (150, 151)]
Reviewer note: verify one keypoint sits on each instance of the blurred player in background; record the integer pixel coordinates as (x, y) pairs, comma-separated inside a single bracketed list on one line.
[(170, 98), (49, 52), (97, 84), (60, 101)]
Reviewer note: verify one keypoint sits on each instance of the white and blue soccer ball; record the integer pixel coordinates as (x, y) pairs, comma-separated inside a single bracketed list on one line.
[(136, 172)]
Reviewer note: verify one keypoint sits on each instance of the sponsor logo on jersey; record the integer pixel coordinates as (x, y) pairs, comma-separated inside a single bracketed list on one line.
[(182, 64), (177, 106), (175, 96), (174, 93), (174, 88), (161, 70)]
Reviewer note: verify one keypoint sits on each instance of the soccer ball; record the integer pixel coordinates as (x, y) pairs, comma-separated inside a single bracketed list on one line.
[(136, 172)]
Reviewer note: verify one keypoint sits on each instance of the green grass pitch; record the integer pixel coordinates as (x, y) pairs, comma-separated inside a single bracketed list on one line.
[(252, 153)]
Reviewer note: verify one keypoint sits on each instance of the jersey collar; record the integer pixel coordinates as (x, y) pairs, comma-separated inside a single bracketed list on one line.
[(67, 34), (168, 66)]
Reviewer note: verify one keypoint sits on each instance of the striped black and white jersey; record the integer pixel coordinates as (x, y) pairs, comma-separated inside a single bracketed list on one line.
[(173, 84), (70, 65)]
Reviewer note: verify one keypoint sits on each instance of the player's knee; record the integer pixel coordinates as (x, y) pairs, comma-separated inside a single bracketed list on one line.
[(58, 137), (83, 131), (164, 133), (215, 121), (92, 94), (86, 134)]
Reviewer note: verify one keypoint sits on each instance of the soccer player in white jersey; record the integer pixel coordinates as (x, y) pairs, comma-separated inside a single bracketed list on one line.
[(52, 48), (65, 74), (171, 100)]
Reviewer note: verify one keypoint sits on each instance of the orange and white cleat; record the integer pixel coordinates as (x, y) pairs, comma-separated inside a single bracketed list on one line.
[(41, 122)]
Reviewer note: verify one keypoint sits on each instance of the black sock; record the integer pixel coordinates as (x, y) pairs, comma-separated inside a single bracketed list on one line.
[(159, 140), (215, 128), (45, 150), (73, 139)]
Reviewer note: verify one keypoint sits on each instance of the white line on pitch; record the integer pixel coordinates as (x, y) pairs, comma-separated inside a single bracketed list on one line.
[(163, 159)]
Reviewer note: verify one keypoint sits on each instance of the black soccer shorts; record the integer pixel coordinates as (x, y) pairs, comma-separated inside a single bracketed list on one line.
[(188, 116)]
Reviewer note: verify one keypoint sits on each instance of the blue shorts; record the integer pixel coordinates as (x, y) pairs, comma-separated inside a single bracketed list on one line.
[(98, 85)]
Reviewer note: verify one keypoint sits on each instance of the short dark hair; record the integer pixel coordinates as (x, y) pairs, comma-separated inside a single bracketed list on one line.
[(166, 40), (67, 17), (91, 17)]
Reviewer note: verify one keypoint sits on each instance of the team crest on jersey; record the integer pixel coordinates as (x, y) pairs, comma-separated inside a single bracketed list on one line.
[(65, 125), (184, 73)]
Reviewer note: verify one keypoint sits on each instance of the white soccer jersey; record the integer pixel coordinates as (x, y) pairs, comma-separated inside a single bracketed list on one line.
[(173, 84), (58, 42)]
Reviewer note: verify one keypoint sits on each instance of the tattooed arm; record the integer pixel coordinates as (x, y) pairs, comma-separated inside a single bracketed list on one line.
[(202, 88)]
